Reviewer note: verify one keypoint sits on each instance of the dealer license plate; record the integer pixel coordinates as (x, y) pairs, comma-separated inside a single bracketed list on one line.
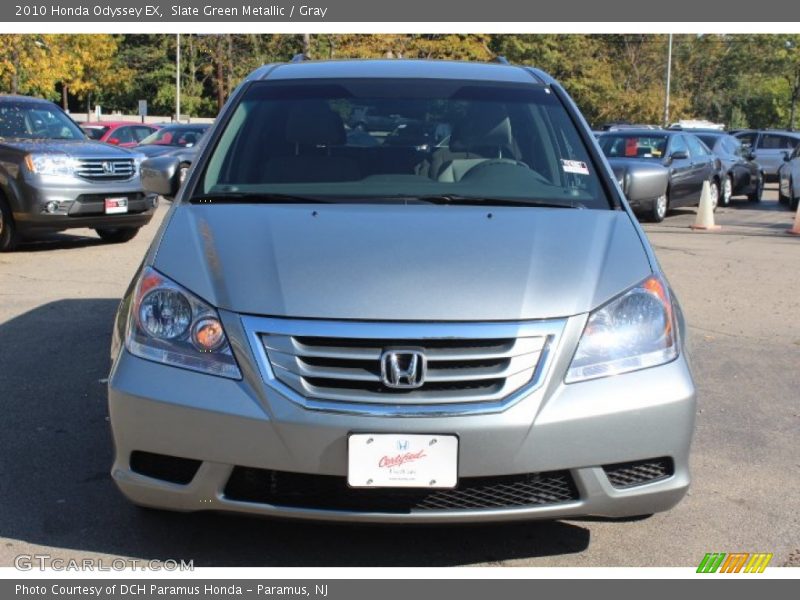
[(402, 460), (116, 206)]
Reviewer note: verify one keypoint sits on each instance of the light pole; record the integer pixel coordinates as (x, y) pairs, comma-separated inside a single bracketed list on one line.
[(178, 80), (669, 78), (794, 83)]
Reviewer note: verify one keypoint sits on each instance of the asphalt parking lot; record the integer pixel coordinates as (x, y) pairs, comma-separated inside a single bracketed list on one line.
[(740, 291)]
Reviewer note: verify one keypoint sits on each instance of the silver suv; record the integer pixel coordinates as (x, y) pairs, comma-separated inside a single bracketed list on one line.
[(53, 178), (331, 326)]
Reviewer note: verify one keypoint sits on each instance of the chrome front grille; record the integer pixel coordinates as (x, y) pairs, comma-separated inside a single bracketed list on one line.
[(349, 369), (105, 169), (336, 366)]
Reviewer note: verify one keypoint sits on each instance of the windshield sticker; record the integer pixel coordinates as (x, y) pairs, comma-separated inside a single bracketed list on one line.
[(574, 166)]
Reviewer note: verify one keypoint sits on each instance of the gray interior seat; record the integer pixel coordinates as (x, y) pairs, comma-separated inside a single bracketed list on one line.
[(312, 128), (484, 133)]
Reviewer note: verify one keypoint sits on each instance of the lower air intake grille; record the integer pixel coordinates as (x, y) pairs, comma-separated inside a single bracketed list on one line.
[(161, 466), (325, 492), (630, 474)]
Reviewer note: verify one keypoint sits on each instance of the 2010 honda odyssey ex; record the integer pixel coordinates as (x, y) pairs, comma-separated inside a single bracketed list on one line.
[(448, 313)]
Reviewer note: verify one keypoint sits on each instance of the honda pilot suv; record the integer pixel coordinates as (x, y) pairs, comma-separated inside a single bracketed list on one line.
[(469, 330), (53, 178)]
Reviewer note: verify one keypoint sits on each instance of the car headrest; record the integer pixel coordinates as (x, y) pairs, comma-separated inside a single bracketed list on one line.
[(313, 123), (486, 125)]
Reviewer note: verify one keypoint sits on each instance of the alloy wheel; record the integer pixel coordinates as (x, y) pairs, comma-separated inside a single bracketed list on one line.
[(727, 191), (661, 207)]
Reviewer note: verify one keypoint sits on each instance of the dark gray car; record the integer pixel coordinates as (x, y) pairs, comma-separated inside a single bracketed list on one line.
[(53, 178), (740, 174), (660, 169)]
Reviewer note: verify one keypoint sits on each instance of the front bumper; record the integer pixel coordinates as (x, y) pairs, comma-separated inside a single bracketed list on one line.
[(81, 204), (576, 428)]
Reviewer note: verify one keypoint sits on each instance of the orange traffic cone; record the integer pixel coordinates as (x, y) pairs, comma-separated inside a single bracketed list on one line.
[(795, 230), (705, 211)]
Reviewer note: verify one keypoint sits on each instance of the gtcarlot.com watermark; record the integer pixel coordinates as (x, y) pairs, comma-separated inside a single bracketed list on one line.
[(42, 562)]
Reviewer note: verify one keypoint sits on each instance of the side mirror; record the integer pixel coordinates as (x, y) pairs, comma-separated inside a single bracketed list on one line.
[(679, 155), (114, 141), (160, 176), (787, 156)]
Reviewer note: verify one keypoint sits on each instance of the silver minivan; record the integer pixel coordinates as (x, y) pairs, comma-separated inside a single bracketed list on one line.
[(449, 315)]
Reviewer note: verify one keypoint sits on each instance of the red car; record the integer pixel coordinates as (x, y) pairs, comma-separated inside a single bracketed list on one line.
[(119, 133)]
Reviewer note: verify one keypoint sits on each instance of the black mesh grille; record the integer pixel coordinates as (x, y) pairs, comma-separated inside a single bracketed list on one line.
[(161, 466), (629, 474), (332, 493)]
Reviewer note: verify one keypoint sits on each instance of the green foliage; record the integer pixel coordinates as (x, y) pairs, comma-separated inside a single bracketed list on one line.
[(740, 80)]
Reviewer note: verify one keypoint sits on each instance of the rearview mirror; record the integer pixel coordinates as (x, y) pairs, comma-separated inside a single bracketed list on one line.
[(160, 176)]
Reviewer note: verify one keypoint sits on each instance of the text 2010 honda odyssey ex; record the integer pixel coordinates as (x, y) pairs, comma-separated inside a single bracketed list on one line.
[(447, 313)]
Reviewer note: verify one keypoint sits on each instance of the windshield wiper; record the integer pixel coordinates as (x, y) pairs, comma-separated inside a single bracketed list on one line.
[(456, 199), (245, 198)]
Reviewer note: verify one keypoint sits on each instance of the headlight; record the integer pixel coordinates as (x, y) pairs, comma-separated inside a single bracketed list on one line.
[(138, 159), (50, 164), (170, 325), (634, 331)]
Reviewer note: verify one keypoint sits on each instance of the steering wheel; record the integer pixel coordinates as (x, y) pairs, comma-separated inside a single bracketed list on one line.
[(493, 162)]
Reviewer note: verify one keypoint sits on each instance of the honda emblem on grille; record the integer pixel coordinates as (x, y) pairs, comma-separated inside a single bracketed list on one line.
[(109, 167), (403, 368)]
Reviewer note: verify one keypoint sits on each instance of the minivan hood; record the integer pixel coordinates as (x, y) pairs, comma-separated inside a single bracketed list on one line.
[(408, 263), (74, 148)]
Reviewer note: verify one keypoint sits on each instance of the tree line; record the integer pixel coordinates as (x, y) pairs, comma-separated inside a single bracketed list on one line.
[(739, 80)]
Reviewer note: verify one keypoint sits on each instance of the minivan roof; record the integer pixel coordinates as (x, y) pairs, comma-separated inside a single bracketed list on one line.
[(398, 68)]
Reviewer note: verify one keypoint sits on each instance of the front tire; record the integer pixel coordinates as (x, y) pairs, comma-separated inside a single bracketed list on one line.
[(758, 192), (117, 235), (659, 209), (8, 230)]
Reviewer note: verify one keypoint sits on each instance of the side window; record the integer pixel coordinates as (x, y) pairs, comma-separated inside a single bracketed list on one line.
[(678, 144), (696, 147), (735, 147), (772, 141), (139, 133), (124, 135)]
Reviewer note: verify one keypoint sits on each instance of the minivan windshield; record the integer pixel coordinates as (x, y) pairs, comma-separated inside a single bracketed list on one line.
[(36, 121), (374, 139)]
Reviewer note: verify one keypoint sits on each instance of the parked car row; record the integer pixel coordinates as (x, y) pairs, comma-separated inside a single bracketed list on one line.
[(55, 175), (52, 177), (663, 169)]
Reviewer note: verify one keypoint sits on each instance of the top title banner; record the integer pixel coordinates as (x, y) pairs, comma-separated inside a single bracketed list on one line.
[(452, 11)]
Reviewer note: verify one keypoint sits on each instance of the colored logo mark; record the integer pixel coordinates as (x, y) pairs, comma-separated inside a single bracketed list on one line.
[(736, 562)]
